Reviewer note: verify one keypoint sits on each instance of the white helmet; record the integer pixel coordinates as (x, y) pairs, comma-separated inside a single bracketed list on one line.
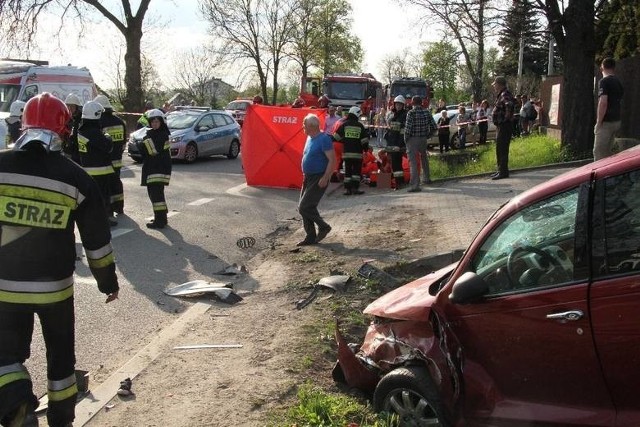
[(92, 110), (355, 111), (73, 99), (16, 109), (104, 101), (155, 113), (400, 99)]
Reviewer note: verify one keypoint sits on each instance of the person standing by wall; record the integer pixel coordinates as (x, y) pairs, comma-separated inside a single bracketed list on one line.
[(444, 132), (503, 115), (156, 166), (483, 121), (115, 127), (462, 121), (608, 122), (419, 127), (38, 259), (318, 163), (395, 139), (354, 137)]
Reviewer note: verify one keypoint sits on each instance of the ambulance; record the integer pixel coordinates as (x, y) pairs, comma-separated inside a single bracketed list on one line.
[(23, 80)]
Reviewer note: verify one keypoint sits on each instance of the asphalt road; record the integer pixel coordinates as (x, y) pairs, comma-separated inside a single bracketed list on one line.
[(209, 210)]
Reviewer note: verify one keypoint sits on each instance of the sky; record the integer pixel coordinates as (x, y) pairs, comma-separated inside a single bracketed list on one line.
[(175, 29)]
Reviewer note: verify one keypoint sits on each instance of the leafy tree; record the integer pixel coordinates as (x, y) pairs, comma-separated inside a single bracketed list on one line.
[(522, 20), (19, 22), (440, 60), (618, 29), (340, 50)]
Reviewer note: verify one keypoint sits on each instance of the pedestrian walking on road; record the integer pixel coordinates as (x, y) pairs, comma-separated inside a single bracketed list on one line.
[(503, 114), (44, 196), (156, 166), (419, 127), (608, 122), (318, 163)]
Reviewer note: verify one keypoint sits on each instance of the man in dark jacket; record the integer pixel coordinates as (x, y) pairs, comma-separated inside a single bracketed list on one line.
[(503, 115), (353, 135), (94, 148), (395, 139)]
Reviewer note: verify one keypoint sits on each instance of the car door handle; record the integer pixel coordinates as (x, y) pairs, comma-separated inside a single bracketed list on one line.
[(572, 315)]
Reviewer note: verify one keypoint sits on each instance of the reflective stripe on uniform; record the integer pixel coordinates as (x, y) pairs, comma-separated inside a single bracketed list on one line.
[(101, 257), (117, 163), (158, 178), (355, 156), (17, 180), (18, 292), (160, 206), (149, 145), (13, 372), (398, 174), (116, 198), (62, 389), (116, 132), (167, 145), (99, 170)]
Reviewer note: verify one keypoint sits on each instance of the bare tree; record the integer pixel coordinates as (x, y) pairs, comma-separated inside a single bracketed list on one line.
[(469, 22), (195, 75), (19, 18), (401, 64)]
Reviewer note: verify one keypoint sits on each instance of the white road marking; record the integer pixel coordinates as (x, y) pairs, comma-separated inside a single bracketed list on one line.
[(119, 232), (200, 202), (103, 393), (236, 191)]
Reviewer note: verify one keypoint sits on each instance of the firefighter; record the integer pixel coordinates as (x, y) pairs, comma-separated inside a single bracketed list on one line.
[(44, 196), (353, 135), (115, 127), (14, 121), (70, 146), (156, 166), (143, 121), (395, 139), (95, 150)]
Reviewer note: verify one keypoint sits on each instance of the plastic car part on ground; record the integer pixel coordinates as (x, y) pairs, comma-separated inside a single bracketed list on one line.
[(371, 272), (232, 270), (222, 291), (337, 283)]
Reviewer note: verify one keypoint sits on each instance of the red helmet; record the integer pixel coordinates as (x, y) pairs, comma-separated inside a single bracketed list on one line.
[(44, 112)]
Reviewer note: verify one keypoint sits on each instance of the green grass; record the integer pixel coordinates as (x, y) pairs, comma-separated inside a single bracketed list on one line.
[(533, 150)]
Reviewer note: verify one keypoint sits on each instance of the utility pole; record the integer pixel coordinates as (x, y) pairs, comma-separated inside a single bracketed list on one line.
[(520, 61)]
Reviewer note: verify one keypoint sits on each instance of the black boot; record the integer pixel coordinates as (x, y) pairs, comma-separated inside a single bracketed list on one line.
[(160, 220)]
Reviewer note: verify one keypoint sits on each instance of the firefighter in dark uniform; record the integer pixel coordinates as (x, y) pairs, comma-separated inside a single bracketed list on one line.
[(14, 121), (395, 139), (355, 138), (115, 127), (156, 166), (95, 149), (70, 143), (42, 197)]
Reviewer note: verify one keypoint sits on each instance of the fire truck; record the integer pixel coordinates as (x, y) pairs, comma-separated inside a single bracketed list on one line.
[(409, 87), (344, 90)]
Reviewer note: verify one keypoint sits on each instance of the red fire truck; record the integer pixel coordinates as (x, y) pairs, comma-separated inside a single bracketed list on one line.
[(409, 87), (344, 90)]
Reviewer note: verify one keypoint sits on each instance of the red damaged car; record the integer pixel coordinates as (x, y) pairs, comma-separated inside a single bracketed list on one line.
[(537, 324)]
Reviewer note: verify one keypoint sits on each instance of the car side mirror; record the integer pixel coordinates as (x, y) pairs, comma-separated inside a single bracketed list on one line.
[(202, 128), (468, 288)]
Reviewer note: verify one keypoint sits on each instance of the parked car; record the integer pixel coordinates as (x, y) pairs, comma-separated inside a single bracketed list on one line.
[(195, 132), (454, 141), (537, 324), (238, 109)]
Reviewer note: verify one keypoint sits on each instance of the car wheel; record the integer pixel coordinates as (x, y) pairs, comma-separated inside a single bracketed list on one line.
[(409, 394), (234, 149), (190, 153)]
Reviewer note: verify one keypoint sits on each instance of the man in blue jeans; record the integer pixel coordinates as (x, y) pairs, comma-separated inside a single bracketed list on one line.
[(318, 163)]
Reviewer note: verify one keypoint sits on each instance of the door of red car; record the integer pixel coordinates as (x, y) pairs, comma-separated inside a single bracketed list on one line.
[(615, 292), (527, 348)]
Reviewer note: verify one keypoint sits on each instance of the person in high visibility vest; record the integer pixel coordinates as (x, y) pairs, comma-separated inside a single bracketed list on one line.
[(115, 127), (44, 195)]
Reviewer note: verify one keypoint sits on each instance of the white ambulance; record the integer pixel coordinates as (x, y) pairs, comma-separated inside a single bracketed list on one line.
[(24, 80)]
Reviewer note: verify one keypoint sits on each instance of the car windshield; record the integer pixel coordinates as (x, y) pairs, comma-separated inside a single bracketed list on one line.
[(181, 120), (408, 91), (237, 105), (8, 94), (346, 90)]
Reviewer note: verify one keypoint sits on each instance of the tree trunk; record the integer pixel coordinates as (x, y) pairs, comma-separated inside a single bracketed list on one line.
[(578, 114), (133, 99)]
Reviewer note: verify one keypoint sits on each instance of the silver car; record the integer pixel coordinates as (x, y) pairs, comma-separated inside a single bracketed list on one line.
[(195, 133)]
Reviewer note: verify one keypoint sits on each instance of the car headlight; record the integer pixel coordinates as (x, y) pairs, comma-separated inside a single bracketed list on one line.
[(176, 139)]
